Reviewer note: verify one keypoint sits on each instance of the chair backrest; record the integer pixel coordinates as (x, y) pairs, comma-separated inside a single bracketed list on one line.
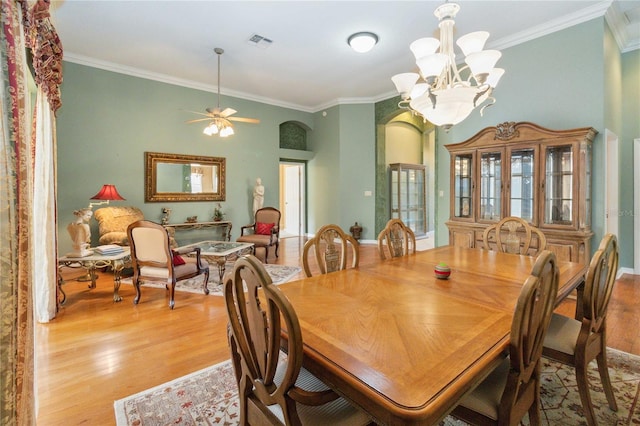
[(514, 235), (531, 320), (254, 339), (398, 239), (113, 222), (599, 282), (332, 248), (150, 245), (268, 215)]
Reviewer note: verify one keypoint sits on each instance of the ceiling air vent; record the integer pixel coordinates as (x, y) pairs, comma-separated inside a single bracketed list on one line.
[(259, 41)]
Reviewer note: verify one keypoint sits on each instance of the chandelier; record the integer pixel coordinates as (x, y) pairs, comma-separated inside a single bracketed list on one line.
[(443, 93)]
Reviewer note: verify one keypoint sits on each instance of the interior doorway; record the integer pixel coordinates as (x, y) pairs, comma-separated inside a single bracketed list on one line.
[(292, 198)]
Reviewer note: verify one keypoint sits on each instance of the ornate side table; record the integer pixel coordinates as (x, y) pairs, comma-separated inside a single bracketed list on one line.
[(93, 262)]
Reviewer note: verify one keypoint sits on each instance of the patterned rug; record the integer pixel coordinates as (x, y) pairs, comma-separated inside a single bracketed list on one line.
[(209, 397), (279, 274)]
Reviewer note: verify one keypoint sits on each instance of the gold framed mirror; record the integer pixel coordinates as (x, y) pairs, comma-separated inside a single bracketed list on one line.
[(178, 177)]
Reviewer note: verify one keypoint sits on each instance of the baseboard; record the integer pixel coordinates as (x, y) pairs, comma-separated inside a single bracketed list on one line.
[(629, 271)]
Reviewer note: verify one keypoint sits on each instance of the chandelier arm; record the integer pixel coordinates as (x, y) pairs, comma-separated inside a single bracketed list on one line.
[(491, 100)]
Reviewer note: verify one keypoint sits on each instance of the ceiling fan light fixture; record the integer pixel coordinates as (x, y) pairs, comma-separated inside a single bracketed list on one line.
[(226, 131), (362, 42)]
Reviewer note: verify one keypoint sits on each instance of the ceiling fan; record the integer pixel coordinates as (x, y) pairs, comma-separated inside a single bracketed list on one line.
[(220, 120)]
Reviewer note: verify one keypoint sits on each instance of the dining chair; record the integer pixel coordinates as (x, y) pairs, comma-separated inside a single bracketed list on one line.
[(514, 235), (264, 231), (153, 259), (396, 239), (512, 389), (332, 247), (577, 342), (273, 387)]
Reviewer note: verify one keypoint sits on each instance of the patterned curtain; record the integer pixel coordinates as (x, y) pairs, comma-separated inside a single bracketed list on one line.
[(27, 149)]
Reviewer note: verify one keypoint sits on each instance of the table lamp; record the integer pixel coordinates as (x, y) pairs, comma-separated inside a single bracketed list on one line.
[(106, 194), (79, 229)]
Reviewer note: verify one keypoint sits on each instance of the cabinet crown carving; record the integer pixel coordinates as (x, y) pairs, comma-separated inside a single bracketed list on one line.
[(506, 131)]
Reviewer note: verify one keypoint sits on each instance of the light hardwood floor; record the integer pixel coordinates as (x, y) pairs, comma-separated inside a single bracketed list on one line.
[(96, 351)]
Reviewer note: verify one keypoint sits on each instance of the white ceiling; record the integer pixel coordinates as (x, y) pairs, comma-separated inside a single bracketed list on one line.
[(309, 65)]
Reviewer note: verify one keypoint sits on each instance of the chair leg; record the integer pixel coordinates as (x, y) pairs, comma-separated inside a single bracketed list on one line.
[(606, 381), (172, 291), (136, 284), (266, 254), (277, 248), (534, 411), (583, 389)]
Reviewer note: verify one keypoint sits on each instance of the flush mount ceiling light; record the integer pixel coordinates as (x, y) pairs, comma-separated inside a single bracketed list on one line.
[(362, 42), (447, 94)]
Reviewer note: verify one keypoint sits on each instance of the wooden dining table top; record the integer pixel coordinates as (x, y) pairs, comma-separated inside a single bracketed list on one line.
[(404, 345)]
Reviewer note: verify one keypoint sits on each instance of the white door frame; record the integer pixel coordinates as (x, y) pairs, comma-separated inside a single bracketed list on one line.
[(612, 184), (293, 202)]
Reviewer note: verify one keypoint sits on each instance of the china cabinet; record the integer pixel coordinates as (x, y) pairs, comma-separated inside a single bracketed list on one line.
[(408, 196), (524, 170)]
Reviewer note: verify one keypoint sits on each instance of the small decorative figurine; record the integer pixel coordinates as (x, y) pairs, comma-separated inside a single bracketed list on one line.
[(218, 214), (166, 214), (442, 271), (192, 219)]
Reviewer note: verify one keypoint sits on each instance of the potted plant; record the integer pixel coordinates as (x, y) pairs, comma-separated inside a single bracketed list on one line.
[(218, 214)]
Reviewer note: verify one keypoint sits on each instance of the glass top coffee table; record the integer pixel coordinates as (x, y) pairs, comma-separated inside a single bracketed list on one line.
[(220, 252)]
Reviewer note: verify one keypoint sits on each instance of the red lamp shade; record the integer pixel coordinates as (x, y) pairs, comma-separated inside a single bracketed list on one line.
[(108, 192)]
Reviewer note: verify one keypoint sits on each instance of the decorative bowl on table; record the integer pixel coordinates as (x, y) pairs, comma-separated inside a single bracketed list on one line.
[(442, 271)]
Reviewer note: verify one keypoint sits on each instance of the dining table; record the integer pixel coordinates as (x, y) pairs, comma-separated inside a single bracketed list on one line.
[(405, 346)]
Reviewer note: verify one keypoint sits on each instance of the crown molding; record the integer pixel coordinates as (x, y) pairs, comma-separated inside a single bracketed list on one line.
[(614, 18), (164, 78)]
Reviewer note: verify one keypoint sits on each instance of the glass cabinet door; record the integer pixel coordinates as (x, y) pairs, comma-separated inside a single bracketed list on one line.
[(558, 191), (490, 186), (521, 184), (408, 196), (462, 181)]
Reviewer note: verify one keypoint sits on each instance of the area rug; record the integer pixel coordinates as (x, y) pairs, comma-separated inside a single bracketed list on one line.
[(209, 397), (279, 274)]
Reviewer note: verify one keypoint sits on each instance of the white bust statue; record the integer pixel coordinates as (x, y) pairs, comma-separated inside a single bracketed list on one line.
[(80, 233), (258, 196)]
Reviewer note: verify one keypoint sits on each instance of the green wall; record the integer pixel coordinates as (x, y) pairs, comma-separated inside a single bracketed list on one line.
[(564, 80), (108, 120), (556, 81), (630, 108)]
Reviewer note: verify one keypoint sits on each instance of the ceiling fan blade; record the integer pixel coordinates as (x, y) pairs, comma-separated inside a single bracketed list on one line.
[(199, 113), (214, 111), (244, 120), (198, 119), (227, 112)]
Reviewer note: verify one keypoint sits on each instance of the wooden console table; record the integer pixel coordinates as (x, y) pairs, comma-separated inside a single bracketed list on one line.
[(200, 225)]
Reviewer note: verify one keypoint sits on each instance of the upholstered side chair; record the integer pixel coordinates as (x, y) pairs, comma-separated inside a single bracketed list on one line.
[(513, 388), (577, 342), (396, 239), (514, 235), (152, 259), (264, 231), (331, 248), (274, 388)]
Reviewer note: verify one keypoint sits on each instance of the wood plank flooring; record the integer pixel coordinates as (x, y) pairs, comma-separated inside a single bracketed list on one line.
[(96, 351)]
